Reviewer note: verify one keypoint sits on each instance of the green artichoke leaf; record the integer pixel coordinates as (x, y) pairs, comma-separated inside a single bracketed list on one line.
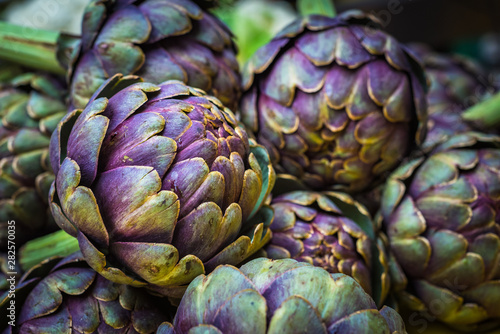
[(241, 248), (293, 314), (485, 295), (41, 106), (197, 299), (205, 329), (366, 321), (60, 218), (97, 260), (455, 310), (165, 328), (79, 203), (246, 310), (266, 171)]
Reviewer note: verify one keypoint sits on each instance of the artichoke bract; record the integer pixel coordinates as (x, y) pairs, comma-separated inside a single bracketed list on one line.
[(456, 83), (66, 296), (332, 231), (158, 40), (335, 101), (158, 183), (279, 296), (31, 105), (442, 216)]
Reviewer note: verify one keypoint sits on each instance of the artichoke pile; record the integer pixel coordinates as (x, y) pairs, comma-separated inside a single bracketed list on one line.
[(332, 187)]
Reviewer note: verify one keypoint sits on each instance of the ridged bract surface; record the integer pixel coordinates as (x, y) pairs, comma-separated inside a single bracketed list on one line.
[(159, 40), (442, 215), (67, 297), (332, 231), (335, 101), (279, 296), (158, 183), (456, 83), (30, 106)]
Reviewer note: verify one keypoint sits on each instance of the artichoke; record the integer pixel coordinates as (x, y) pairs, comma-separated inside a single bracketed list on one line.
[(158, 183), (332, 231), (66, 296), (159, 40), (442, 216), (279, 296), (456, 83), (335, 102), (31, 105)]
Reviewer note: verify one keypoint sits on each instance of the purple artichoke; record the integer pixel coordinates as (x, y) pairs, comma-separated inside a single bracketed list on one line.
[(456, 83), (335, 101), (280, 296), (31, 105), (332, 231), (66, 296), (442, 215), (158, 183), (159, 40)]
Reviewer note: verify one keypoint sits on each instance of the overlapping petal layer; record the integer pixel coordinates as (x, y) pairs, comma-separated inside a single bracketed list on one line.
[(332, 231), (31, 104), (159, 40), (66, 296), (279, 296), (335, 101), (442, 215)]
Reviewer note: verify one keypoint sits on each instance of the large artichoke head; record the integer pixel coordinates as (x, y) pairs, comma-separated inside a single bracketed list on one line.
[(335, 101), (279, 296), (332, 231), (159, 40), (65, 296), (456, 83), (30, 107), (158, 183), (442, 215)]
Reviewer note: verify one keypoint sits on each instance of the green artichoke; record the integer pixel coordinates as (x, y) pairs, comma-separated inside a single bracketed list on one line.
[(66, 296), (31, 105), (335, 101), (456, 83), (279, 296), (159, 40), (158, 183), (332, 231), (442, 216)]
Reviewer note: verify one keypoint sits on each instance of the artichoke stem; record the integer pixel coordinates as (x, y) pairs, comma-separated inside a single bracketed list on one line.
[(34, 48), (485, 113), (321, 7), (58, 243)]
